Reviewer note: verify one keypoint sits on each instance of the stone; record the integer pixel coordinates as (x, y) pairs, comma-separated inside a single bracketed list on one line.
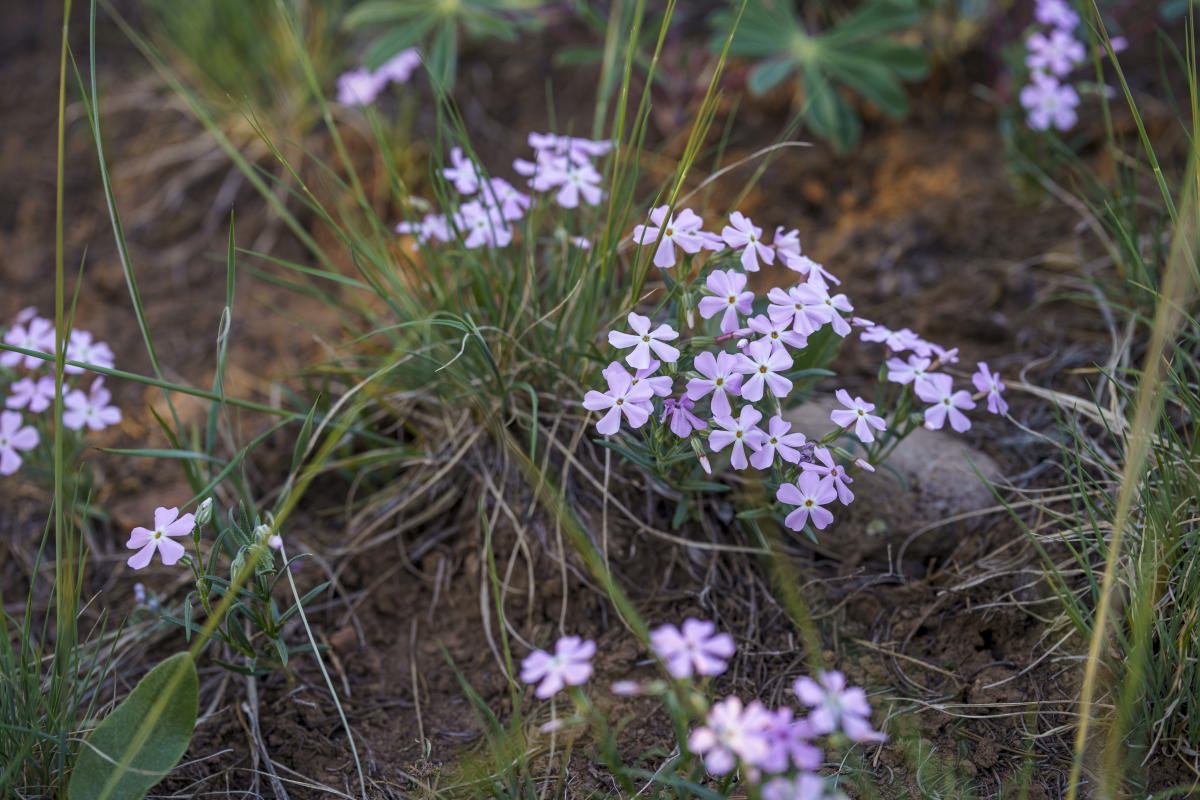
[(929, 477)]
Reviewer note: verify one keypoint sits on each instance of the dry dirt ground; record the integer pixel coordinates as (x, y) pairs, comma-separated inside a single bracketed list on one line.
[(925, 227)]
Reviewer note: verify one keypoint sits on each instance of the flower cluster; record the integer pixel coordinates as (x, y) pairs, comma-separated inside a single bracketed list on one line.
[(746, 369), (1052, 53), (775, 749), (562, 166), (360, 87), (27, 385)]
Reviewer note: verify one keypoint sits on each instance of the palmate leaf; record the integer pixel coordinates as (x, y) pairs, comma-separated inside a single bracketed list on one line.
[(855, 54)]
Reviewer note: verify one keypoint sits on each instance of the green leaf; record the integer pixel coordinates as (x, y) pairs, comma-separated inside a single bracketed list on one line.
[(870, 79), (154, 733), (827, 113), (396, 39), (765, 76), (907, 62), (873, 20), (375, 12), (443, 54)]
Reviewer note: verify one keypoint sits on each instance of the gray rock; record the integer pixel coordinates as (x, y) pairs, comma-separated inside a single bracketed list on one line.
[(929, 477)]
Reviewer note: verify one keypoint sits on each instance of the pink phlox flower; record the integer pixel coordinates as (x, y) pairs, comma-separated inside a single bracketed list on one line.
[(37, 334), (1050, 103), (661, 385), (1119, 44), (807, 267), (683, 421), (947, 403), (731, 732), (643, 341), (577, 149), (857, 414), (696, 650), (730, 298), (13, 437), (809, 494), (34, 395), (682, 230), (720, 376), (545, 173), (1057, 13), (571, 665), (825, 466), (482, 226), (167, 523), (985, 381), (778, 333), (741, 232), (863, 464), (788, 743), (778, 440), (836, 304), (82, 347), (399, 68), (504, 196), (463, 172), (788, 242), (914, 370), (358, 87), (942, 355), (740, 432), (91, 409), (802, 786), (1057, 53), (897, 341), (25, 314), (763, 363), (837, 708), (431, 226), (801, 306), (580, 180), (622, 398)]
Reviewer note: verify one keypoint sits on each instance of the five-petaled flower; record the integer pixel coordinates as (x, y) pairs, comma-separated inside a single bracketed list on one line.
[(37, 334), (696, 650), (167, 523), (683, 421), (463, 172), (741, 232), (643, 340), (83, 348), (987, 381), (831, 472), (1057, 53), (857, 415), (809, 493), (837, 708), (13, 437), (1050, 103), (622, 397), (729, 300), (947, 403), (720, 376), (682, 229), (571, 665), (778, 440), (740, 432), (914, 370), (91, 409), (762, 364), (34, 395), (731, 732)]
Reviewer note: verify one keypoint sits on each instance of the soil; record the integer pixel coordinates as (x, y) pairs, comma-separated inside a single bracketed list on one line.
[(924, 224)]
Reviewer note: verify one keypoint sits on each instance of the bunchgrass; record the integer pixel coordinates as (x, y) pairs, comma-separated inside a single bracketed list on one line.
[(1123, 559)]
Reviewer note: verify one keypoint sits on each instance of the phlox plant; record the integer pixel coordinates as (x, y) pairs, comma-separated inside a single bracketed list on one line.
[(685, 389), (27, 393), (735, 747)]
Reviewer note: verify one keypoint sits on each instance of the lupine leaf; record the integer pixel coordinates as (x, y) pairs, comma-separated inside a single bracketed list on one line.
[(98, 773)]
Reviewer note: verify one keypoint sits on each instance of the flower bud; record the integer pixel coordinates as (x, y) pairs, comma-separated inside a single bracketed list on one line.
[(261, 533), (204, 513)]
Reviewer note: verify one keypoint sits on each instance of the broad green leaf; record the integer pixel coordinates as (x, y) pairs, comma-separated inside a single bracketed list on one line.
[(376, 12), (870, 79), (396, 39), (907, 62), (827, 113), (874, 20), (98, 774), (768, 74)]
